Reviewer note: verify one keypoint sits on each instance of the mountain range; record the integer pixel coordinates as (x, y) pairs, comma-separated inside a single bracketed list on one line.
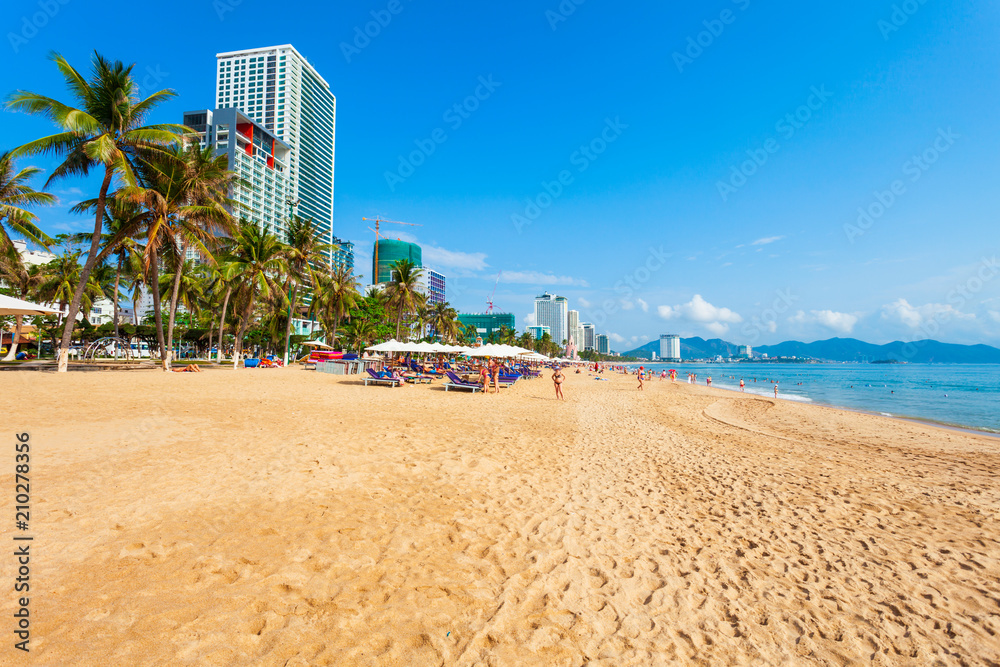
[(837, 349)]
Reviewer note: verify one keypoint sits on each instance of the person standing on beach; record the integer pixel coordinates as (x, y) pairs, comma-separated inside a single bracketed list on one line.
[(557, 380), (495, 374), (741, 384), (484, 377), (642, 376), (776, 390), (708, 380)]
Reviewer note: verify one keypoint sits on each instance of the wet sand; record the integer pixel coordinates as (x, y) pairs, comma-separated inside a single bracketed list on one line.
[(286, 517)]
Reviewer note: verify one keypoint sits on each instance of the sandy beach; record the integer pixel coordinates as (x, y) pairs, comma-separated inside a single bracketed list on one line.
[(292, 518)]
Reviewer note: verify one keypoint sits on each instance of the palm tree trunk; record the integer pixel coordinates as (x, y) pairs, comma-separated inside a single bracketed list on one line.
[(222, 323), (244, 323), (157, 315), (88, 267), (12, 352), (399, 321), (118, 279), (333, 333), (288, 327), (178, 273)]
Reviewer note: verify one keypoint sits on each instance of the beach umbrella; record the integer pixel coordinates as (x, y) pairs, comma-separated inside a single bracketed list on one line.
[(11, 306), (391, 345), (316, 343)]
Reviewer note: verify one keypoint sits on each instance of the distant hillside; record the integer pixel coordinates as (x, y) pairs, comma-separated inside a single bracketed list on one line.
[(918, 352), (838, 349)]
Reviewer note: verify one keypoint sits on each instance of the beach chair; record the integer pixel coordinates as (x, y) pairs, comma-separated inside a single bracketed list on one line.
[(375, 378), (456, 382)]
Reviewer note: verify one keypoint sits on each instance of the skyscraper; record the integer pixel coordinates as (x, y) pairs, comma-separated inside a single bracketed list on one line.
[(432, 285), (551, 312), (589, 341), (278, 89), (574, 329)]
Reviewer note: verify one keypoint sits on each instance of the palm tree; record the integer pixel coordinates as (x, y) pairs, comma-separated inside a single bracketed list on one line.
[(221, 277), (402, 292), (444, 319), (15, 194), (104, 130), (258, 260), (182, 191), (359, 333), (186, 284), (19, 278), (304, 251), (335, 297), (119, 215), (59, 282)]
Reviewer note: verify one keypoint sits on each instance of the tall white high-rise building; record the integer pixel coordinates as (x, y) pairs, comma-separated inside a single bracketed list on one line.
[(589, 336), (551, 312), (670, 347), (574, 329), (277, 88)]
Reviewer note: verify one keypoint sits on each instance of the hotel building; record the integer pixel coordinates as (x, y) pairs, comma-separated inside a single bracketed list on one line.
[(552, 311), (670, 347), (279, 90)]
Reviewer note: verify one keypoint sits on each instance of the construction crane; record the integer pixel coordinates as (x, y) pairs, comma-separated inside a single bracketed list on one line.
[(377, 220), (489, 301)]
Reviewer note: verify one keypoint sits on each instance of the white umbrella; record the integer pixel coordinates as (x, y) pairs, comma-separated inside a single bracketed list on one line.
[(316, 343), (11, 306), (392, 345)]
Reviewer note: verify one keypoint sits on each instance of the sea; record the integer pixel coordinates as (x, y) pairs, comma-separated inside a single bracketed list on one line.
[(959, 395)]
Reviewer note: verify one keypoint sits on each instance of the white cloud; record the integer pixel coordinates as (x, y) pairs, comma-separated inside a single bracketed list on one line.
[(699, 310), (767, 239), (584, 302), (715, 319), (995, 315), (538, 278), (831, 319), (529, 319), (627, 305), (643, 305), (616, 338), (914, 317), (439, 257)]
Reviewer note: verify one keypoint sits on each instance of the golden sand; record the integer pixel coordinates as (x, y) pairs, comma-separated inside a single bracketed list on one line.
[(285, 517)]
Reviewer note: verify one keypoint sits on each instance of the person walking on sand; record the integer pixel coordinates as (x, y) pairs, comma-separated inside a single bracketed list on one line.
[(741, 384), (557, 380), (495, 374), (776, 390), (642, 376)]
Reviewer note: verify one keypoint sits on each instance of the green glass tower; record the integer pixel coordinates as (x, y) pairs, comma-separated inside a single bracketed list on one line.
[(388, 253)]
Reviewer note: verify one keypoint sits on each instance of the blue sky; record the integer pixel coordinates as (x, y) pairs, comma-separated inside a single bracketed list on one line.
[(755, 171)]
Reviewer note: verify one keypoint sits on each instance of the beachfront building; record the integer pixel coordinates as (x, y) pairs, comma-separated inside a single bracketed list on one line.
[(537, 331), (589, 336), (670, 347), (280, 91), (258, 158), (574, 330), (388, 253), (487, 324), (744, 351), (343, 256), (551, 311), (603, 344), (432, 285)]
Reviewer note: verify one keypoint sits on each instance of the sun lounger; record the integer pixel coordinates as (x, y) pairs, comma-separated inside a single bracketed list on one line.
[(377, 379), (458, 383)]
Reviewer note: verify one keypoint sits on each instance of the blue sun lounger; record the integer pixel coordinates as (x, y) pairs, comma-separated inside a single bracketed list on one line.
[(458, 383), (377, 379)]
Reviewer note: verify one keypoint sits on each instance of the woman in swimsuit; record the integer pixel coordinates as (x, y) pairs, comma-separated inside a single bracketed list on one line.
[(557, 380)]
